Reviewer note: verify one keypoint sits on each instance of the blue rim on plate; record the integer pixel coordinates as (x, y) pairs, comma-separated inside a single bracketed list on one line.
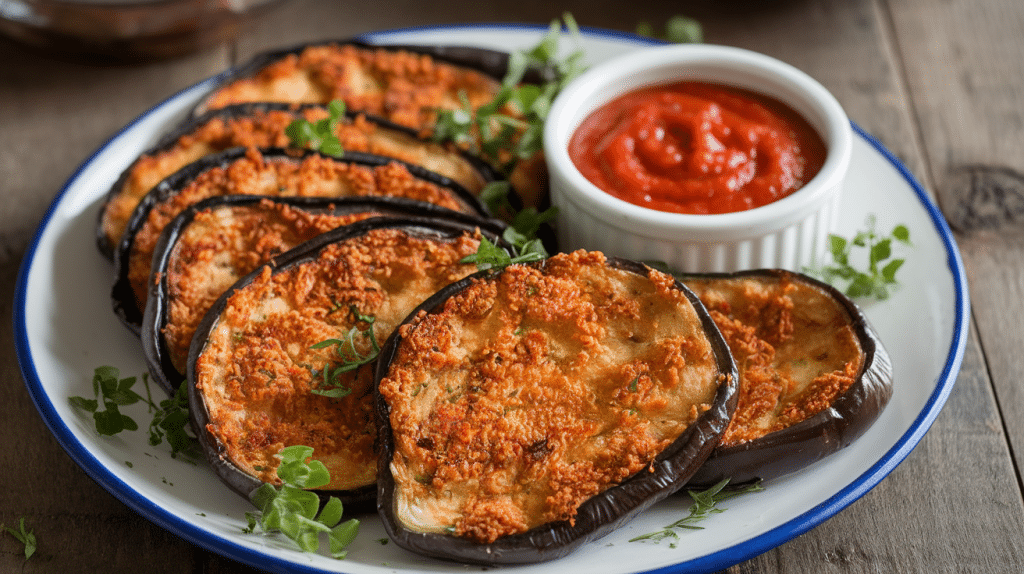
[(717, 560)]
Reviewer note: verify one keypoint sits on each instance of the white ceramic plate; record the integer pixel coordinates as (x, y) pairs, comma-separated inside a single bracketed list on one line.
[(65, 328)]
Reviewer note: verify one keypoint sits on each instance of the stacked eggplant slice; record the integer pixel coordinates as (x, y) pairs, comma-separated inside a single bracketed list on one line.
[(212, 244), (497, 416), (259, 376), (813, 373), (231, 193), (404, 84), (527, 411), (264, 125), (270, 172)]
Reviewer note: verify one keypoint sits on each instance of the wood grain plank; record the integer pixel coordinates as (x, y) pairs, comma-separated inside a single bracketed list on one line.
[(994, 261), (970, 100), (65, 109), (967, 93)]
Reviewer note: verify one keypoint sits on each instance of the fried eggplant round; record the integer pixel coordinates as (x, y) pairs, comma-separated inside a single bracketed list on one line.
[(263, 125), (524, 412), (270, 172), (813, 373), (215, 242), (285, 356), (405, 84)]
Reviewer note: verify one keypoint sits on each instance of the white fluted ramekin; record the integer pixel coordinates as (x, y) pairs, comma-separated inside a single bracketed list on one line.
[(790, 233)]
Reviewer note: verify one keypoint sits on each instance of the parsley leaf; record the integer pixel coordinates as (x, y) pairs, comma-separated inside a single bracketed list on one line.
[(494, 195), (678, 29), (521, 236), (319, 135), (510, 127), (112, 393), (488, 256), (880, 275), (171, 422), (295, 511), (170, 417), (705, 503), (26, 537), (349, 357)]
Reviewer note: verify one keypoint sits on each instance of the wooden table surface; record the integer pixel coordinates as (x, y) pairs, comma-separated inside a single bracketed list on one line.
[(939, 82)]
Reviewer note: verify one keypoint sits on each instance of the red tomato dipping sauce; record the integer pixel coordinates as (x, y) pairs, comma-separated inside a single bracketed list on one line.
[(699, 148)]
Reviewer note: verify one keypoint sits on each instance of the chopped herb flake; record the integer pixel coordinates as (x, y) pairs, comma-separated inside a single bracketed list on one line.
[(295, 511), (879, 277), (705, 503), (26, 537)]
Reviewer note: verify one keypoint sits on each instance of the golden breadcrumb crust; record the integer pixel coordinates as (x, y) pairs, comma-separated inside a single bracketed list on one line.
[(264, 129), (314, 176), (220, 246), (794, 347), (257, 369), (401, 86), (530, 393), (404, 87)]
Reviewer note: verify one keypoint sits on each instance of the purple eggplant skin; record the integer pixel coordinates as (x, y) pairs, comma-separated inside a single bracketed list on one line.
[(852, 413), (597, 516), (155, 315), (191, 124), (360, 499), (123, 300)]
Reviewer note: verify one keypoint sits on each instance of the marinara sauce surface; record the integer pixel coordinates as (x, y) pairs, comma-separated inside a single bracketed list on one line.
[(699, 148)]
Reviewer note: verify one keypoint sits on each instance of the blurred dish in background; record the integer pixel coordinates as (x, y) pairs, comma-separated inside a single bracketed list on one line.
[(127, 30)]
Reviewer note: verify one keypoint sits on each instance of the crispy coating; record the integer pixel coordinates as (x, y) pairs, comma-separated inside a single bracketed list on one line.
[(794, 347), (401, 86), (314, 176), (257, 369), (220, 246), (531, 393), (265, 128)]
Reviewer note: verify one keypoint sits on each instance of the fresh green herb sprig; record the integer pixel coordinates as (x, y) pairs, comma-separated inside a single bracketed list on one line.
[(170, 416), (678, 29), (491, 256), (170, 422), (705, 503), (880, 275), (295, 511), (349, 357), (319, 135), (504, 139), (521, 234), (112, 392), (26, 537)]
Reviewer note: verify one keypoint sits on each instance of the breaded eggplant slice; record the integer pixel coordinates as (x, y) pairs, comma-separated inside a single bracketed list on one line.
[(405, 84), (255, 360), (263, 125), (525, 412), (813, 373), (270, 172), (214, 243)]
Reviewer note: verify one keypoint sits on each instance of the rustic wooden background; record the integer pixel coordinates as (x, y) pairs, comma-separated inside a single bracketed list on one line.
[(938, 82)]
